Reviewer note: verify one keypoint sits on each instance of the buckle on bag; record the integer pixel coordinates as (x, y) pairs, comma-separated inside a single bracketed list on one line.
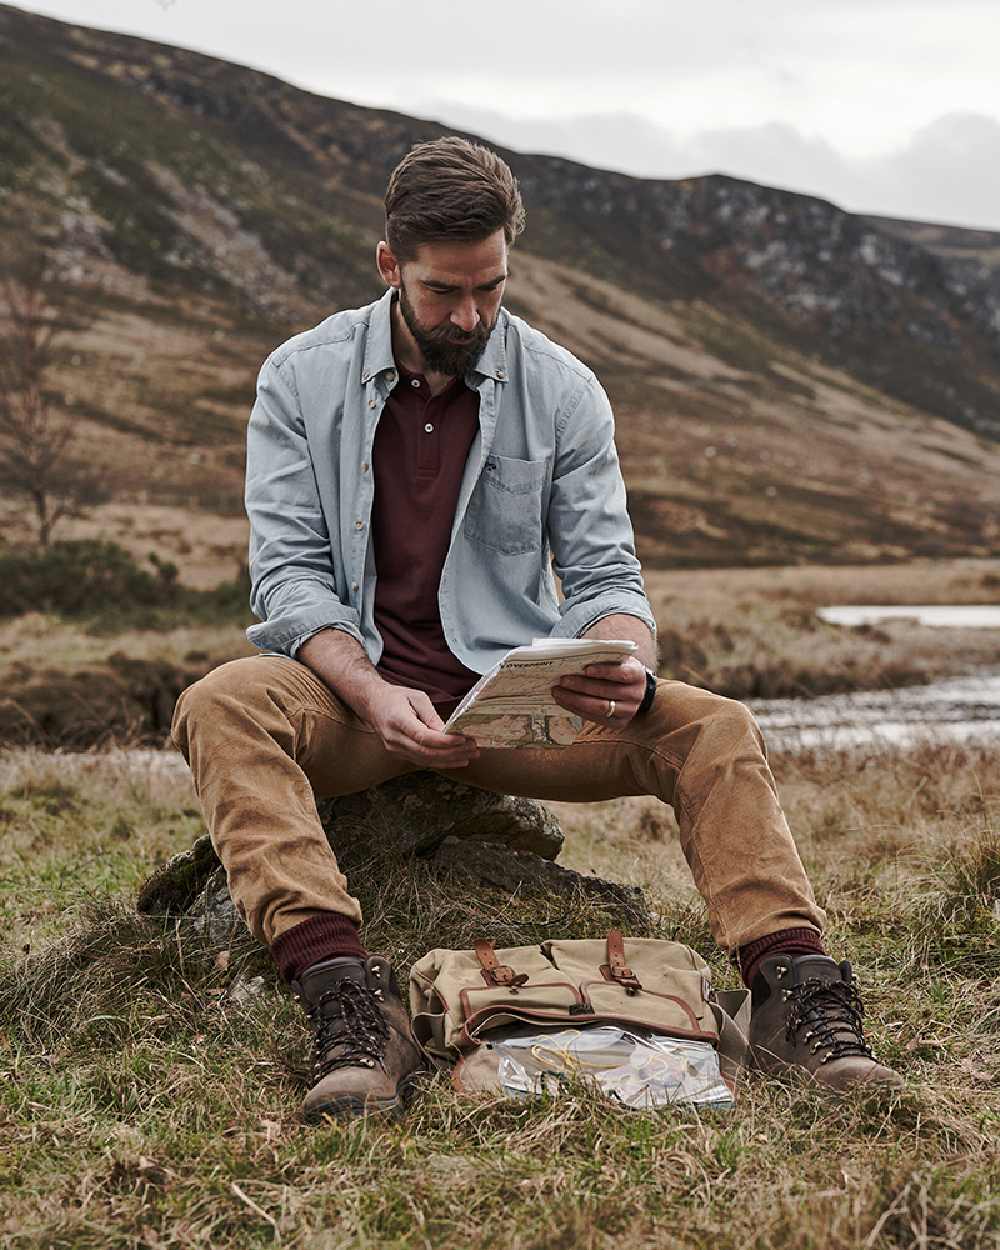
[(616, 969), (496, 974)]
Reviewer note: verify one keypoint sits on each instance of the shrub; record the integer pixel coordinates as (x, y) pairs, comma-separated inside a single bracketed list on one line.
[(227, 599), (81, 578)]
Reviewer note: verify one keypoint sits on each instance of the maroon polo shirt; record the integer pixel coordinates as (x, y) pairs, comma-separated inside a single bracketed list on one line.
[(421, 445)]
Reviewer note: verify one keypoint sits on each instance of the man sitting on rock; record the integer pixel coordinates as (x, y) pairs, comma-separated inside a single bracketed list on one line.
[(416, 469)]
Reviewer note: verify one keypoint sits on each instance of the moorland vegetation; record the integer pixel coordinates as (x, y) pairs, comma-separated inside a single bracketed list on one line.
[(149, 1083)]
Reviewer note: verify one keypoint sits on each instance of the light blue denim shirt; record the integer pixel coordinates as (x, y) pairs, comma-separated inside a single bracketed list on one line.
[(542, 492)]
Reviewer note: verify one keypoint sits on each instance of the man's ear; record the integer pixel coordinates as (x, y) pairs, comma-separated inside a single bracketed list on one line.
[(388, 265)]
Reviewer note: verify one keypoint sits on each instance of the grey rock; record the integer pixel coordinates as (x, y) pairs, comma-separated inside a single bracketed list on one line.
[(452, 831), (503, 871), (174, 886), (243, 991), (412, 815), (213, 914), (419, 811)]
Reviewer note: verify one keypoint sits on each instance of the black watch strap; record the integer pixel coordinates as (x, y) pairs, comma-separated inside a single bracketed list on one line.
[(650, 695)]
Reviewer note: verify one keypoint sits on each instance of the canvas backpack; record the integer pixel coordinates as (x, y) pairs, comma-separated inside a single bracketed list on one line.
[(457, 998)]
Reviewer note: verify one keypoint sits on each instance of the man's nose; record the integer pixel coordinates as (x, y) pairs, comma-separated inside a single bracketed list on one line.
[(466, 316)]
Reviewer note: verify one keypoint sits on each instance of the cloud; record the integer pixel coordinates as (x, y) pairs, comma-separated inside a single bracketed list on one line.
[(775, 153), (951, 168)]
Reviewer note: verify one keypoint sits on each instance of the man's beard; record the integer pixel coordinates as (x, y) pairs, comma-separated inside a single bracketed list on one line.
[(445, 349)]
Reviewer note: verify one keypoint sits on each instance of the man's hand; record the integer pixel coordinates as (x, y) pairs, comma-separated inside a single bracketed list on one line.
[(408, 725), (404, 719), (592, 693)]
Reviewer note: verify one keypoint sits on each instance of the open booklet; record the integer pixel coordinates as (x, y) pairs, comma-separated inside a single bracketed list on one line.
[(512, 704)]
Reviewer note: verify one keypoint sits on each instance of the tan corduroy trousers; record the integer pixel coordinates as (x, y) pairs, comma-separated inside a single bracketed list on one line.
[(265, 737)]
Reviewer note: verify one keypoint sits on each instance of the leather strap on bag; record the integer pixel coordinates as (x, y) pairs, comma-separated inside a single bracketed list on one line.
[(495, 973), (616, 969)]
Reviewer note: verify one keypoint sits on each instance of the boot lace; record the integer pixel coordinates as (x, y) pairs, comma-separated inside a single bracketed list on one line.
[(831, 1012), (350, 1029)]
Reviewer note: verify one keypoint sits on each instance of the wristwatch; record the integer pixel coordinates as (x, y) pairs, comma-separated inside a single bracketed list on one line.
[(650, 695)]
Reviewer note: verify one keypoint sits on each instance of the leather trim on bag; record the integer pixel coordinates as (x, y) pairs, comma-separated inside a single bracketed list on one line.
[(468, 1011), (495, 973), (617, 969), (529, 1015), (671, 998)]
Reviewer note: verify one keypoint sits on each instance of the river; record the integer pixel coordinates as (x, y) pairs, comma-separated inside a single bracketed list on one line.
[(935, 615), (963, 709)]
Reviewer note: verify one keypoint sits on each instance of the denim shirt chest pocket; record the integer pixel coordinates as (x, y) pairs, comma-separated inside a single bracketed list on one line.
[(505, 510)]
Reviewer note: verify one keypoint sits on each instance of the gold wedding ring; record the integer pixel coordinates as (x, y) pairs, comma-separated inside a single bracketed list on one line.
[(611, 708)]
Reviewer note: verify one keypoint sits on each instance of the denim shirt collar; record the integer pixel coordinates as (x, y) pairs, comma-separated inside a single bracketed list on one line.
[(492, 363)]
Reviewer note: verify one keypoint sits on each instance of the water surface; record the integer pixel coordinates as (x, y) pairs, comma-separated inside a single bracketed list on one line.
[(964, 709), (941, 615)]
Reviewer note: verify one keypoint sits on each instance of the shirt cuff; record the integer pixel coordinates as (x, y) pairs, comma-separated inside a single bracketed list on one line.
[(577, 619), (286, 633)]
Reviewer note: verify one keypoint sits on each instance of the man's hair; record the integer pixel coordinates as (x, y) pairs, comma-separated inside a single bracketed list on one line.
[(450, 189)]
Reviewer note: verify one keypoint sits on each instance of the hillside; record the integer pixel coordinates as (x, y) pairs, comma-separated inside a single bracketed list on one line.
[(792, 382), (958, 244)]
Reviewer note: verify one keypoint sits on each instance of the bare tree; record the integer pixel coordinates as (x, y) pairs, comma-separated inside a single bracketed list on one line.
[(40, 459)]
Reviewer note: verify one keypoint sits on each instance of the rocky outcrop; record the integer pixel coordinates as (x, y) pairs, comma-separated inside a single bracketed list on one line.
[(502, 846), (416, 813)]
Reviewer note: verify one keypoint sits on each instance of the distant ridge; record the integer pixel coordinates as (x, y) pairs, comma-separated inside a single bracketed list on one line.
[(791, 381)]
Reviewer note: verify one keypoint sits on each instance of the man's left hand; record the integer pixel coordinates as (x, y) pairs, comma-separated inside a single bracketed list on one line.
[(616, 688)]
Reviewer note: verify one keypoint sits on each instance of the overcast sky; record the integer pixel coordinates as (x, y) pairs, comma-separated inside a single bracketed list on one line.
[(886, 106)]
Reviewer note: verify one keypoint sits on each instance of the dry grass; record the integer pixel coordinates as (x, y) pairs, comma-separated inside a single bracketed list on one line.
[(141, 1105), (41, 642), (796, 586)]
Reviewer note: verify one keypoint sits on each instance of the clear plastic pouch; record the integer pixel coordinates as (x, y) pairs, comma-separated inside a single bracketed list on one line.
[(638, 1068)]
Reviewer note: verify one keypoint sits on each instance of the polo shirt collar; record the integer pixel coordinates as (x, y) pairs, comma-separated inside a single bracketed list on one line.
[(492, 363)]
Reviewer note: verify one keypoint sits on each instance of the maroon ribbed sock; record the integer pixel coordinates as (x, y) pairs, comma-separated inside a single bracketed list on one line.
[(320, 937), (784, 942)]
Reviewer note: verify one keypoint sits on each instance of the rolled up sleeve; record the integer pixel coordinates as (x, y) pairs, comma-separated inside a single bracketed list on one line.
[(293, 584), (589, 528)]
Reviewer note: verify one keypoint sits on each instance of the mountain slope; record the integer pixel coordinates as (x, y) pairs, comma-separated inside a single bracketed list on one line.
[(791, 381)]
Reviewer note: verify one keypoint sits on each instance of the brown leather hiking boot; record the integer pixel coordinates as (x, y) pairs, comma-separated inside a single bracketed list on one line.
[(364, 1057), (807, 1013)]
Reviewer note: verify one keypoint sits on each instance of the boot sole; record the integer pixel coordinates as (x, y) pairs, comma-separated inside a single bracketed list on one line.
[(350, 1107)]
